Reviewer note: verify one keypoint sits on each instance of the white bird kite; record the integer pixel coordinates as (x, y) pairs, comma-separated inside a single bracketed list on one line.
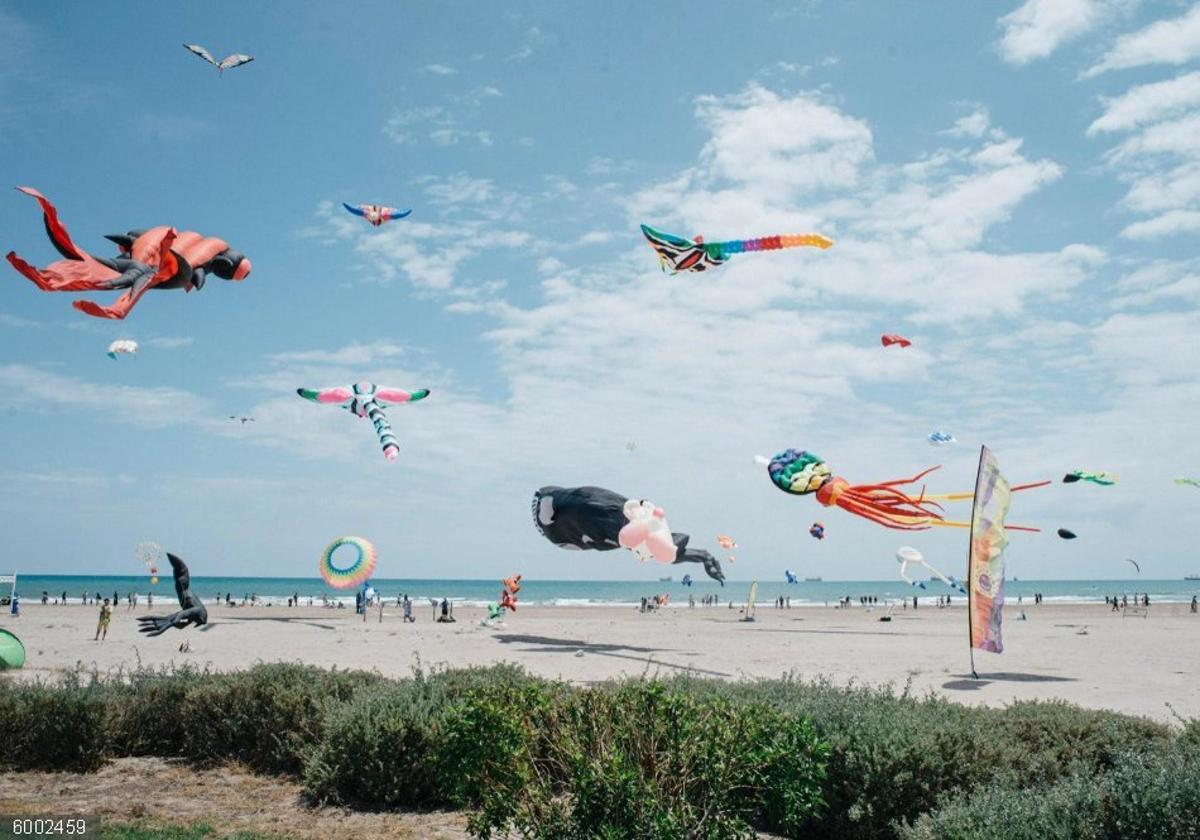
[(226, 63), (907, 554)]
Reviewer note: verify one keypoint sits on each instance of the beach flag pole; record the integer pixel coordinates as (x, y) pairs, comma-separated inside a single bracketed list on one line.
[(970, 576)]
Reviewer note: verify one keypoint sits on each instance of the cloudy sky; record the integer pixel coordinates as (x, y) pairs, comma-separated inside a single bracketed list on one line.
[(1015, 187)]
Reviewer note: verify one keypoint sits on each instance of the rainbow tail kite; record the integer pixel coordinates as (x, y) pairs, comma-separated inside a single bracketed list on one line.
[(366, 399), (676, 254)]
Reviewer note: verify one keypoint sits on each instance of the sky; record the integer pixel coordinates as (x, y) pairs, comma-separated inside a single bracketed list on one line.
[(1013, 186)]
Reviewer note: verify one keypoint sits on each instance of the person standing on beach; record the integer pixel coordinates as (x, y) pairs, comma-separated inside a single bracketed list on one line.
[(15, 610), (1195, 606), (105, 618)]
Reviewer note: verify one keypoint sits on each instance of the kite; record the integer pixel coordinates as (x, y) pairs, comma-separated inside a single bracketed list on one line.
[(791, 578), (365, 399), (1195, 482), (676, 254), (121, 345), (593, 519), (1135, 565), (244, 420), (888, 339), (376, 214), (358, 572), (631, 446), (907, 555), (512, 584), (191, 610), (158, 258), (726, 542), (687, 580), (226, 63), (800, 473), (1102, 478), (941, 438), (151, 554), (817, 531), (1064, 533), (508, 601)]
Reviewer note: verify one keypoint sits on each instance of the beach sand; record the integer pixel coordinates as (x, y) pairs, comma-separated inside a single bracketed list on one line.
[(1129, 664)]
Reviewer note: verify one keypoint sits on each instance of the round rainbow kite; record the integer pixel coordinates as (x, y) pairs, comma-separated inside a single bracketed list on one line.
[(356, 573)]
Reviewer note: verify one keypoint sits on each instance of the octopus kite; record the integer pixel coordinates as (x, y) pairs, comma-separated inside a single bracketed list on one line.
[(801, 473), (676, 254), (158, 258), (366, 399), (376, 214)]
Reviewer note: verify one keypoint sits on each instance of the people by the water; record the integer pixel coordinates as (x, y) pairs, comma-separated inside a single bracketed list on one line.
[(105, 618)]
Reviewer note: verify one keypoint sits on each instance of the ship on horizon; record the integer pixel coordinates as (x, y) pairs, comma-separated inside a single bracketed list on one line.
[(1191, 577), (813, 580)]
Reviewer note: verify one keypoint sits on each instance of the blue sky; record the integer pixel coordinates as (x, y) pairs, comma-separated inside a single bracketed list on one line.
[(1016, 187)]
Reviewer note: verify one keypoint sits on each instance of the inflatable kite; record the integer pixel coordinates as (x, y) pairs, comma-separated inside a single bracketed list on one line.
[(151, 554), (800, 473), (191, 610), (360, 569), (1194, 482), (1135, 565), (158, 258), (791, 578), (726, 542), (676, 254), (365, 399), (512, 584), (907, 555), (817, 531), (226, 63), (596, 519), (888, 339), (121, 345), (376, 214), (1102, 478), (1063, 532), (687, 580), (941, 438)]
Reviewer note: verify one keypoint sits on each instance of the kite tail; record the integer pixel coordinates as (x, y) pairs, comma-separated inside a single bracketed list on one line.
[(387, 440), (773, 243), (882, 503)]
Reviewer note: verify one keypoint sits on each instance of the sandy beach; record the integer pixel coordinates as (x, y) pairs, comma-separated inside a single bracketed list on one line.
[(1129, 664)]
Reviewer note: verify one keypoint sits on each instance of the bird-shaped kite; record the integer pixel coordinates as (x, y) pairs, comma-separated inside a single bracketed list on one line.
[(226, 63), (376, 214), (367, 399), (158, 258), (676, 254), (800, 473), (121, 345), (244, 420), (1102, 478), (888, 339)]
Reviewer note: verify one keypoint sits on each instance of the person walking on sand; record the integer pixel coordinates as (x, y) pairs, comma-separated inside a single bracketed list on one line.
[(1195, 606), (15, 609), (105, 618)]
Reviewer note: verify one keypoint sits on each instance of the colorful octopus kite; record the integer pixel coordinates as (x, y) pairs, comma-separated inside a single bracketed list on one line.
[(801, 473), (676, 254), (366, 399), (158, 258), (376, 214)]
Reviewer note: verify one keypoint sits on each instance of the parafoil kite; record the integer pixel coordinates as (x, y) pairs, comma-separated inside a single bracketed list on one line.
[(676, 254), (1065, 534), (1103, 478), (817, 531), (888, 339), (226, 63), (151, 554), (906, 555), (791, 578), (941, 438), (1135, 565), (800, 473), (366, 399), (376, 214), (1194, 482), (121, 345), (593, 518), (359, 570), (191, 608), (158, 258)]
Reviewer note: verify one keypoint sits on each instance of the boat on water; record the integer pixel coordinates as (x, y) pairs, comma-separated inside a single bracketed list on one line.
[(667, 579), (813, 580), (1191, 577)]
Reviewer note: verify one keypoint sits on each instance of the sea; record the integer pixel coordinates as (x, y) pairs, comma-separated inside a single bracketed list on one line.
[(276, 590)]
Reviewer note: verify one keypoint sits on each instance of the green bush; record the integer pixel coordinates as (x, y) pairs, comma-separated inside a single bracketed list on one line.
[(634, 761), (53, 727)]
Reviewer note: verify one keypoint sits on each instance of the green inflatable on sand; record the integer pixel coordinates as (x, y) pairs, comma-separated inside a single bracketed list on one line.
[(12, 652)]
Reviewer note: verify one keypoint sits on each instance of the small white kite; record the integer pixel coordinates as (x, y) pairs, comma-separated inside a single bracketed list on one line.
[(226, 63), (121, 345), (906, 555)]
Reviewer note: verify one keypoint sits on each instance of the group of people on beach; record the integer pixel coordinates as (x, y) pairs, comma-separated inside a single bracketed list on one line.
[(1142, 601)]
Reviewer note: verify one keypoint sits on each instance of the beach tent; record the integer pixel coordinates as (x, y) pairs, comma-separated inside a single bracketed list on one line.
[(12, 652)]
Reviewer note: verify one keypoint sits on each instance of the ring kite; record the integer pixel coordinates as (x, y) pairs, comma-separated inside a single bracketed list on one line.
[(676, 254), (593, 519), (158, 258), (366, 399), (801, 473), (358, 572), (376, 214), (226, 63), (888, 339), (1102, 478)]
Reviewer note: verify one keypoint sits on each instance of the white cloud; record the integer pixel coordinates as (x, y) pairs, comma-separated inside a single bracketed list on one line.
[(168, 342), (1039, 27), (974, 125), (439, 69), (17, 322), (1174, 41), (1148, 103), (1171, 223)]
